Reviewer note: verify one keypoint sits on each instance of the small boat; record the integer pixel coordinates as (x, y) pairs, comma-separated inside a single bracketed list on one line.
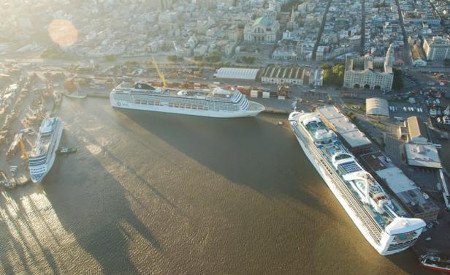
[(435, 263), (66, 150), (75, 95)]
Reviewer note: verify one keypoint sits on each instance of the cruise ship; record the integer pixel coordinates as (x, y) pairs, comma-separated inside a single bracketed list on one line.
[(43, 153), (215, 102), (364, 200)]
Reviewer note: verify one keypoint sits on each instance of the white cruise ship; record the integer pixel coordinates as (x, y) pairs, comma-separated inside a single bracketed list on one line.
[(364, 200), (216, 102), (43, 153)]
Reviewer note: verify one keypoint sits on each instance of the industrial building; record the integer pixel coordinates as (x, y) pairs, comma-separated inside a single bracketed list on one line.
[(294, 75)]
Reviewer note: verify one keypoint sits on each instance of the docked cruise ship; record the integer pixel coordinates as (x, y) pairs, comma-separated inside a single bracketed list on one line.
[(362, 197), (43, 153), (215, 102)]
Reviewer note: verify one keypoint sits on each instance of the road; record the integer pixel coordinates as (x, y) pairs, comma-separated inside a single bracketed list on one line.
[(406, 49), (319, 34), (363, 27)]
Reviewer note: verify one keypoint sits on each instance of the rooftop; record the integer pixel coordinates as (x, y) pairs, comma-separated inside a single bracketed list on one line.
[(416, 128), (263, 21), (347, 130), (417, 202), (422, 155), (237, 73), (377, 106)]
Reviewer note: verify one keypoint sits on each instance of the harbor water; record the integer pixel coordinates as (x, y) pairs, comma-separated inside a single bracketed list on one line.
[(161, 193)]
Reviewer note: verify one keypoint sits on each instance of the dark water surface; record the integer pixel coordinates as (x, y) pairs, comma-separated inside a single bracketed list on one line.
[(160, 193)]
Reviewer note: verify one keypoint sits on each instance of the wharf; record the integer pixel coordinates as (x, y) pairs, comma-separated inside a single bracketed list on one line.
[(101, 93), (275, 106)]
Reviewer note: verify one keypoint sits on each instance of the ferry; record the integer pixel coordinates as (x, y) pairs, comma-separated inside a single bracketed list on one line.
[(43, 154), (217, 102), (362, 197)]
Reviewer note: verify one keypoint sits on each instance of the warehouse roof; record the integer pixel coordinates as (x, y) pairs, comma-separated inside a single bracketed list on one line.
[(237, 73), (377, 106)]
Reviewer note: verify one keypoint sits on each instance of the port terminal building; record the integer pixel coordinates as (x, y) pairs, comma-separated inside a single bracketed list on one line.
[(419, 151), (355, 140), (416, 202)]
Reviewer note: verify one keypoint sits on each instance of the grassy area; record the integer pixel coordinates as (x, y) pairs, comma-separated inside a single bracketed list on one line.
[(356, 108), (379, 125)]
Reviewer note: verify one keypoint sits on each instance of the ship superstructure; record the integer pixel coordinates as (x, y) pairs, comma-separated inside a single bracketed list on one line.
[(43, 153), (215, 102), (364, 200)]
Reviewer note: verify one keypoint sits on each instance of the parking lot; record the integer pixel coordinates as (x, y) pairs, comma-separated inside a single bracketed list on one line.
[(402, 111)]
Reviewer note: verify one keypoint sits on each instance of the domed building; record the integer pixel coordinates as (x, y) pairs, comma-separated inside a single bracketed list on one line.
[(262, 29)]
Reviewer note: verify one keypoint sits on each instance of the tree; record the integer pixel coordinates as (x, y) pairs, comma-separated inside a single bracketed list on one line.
[(172, 58), (110, 57), (333, 75), (248, 59), (338, 74), (214, 57), (447, 62), (397, 83), (198, 58)]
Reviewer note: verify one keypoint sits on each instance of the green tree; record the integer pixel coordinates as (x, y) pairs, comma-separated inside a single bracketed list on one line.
[(333, 75), (110, 57), (172, 58), (198, 58), (338, 74), (397, 83), (214, 57), (447, 62), (248, 59)]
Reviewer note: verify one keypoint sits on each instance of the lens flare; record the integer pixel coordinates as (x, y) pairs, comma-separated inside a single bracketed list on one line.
[(63, 32)]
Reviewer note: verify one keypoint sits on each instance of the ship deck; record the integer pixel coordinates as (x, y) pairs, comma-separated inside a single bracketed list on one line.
[(374, 222), (207, 94)]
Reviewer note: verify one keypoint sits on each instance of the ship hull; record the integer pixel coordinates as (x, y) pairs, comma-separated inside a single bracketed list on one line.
[(258, 108), (345, 204), (39, 177)]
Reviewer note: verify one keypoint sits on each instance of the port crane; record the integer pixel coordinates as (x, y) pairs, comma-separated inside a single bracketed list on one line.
[(160, 74)]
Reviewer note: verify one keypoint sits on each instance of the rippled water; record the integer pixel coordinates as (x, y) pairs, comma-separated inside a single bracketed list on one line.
[(149, 192)]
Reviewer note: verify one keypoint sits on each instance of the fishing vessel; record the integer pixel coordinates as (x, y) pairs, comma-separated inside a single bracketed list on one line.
[(215, 102), (43, 154), (362, 197), (435, 263), (66, 150)]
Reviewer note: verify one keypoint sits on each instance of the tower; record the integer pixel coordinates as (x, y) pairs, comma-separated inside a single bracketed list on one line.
[(389, 59)]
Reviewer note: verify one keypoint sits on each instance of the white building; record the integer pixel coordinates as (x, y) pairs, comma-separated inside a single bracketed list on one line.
[(437, 48), (360, 72), (263, 29)]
